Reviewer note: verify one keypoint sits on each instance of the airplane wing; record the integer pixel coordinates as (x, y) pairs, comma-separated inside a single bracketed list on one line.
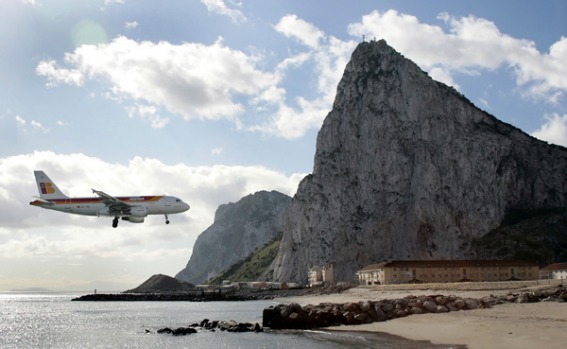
[(115, 206)]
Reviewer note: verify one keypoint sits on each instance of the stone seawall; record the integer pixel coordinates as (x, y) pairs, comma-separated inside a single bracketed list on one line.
[(294, 316)]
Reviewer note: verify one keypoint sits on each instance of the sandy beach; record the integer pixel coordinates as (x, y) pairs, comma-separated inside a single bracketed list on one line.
[(513, 326)]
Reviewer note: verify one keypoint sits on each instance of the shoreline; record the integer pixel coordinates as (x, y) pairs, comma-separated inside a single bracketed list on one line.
[(504, 326)]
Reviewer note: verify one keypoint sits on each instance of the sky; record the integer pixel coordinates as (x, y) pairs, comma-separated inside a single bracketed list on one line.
[(212, 100)]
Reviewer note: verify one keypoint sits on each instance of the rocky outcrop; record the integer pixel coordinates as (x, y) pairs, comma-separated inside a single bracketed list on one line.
[(162, 283), (238, 229), (212, 326), (407, 168), (294, 316)]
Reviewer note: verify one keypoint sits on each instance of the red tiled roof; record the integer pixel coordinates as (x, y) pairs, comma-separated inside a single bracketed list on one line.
[(556, 266), (449, 263)]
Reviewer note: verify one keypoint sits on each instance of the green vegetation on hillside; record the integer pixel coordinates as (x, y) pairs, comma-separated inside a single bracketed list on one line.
[(538, 236), (252, 268)]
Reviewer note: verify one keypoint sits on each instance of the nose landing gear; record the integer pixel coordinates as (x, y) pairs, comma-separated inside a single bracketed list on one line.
[(166, 219)]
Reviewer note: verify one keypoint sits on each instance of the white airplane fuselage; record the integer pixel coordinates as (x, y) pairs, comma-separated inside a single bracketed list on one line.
[(150, 205), (130, 208)]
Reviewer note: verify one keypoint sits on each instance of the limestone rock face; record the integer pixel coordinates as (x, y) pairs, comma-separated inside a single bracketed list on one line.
[(238, 229), (408, 168)]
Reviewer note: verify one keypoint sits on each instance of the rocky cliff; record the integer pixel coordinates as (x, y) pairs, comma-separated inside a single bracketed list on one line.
[(238, 229), (407, 168)]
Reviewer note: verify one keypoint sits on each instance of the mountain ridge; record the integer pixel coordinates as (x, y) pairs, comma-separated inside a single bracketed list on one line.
[(408, 168), (237, 231)]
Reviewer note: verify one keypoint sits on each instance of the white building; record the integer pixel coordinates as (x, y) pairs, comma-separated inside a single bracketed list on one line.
[(554, 271), (319, 276)]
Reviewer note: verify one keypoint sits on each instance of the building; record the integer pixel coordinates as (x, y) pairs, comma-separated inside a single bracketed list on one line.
[(439, 271), (554, 271), (319, 276)]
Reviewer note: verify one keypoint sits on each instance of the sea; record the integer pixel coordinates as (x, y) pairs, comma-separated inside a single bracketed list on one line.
[(54, 321)]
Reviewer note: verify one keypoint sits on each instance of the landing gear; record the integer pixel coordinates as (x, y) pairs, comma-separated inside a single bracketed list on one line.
[(166, 220), (115, 222)]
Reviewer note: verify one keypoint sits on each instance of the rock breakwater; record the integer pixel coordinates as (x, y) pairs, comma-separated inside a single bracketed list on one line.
[(295, 316), (212, 326)]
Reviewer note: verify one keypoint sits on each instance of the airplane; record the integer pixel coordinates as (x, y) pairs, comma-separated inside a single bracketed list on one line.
[(133, 209)]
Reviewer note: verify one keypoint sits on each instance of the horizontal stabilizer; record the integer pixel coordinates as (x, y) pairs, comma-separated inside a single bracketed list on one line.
[(39, 201)]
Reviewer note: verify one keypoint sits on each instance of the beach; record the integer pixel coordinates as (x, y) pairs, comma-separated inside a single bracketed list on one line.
[(503, 326)]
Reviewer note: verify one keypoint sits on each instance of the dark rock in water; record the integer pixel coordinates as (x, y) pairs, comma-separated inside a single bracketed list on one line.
[(272, 317), (183, 331), (165, 330), (212, 326)]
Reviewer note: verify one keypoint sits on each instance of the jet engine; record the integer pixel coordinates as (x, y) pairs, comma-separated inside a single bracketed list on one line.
[(139, 212), (137, 215), (133, 219)]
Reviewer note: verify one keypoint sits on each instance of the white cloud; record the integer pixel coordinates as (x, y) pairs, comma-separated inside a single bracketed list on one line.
[(219, 7), (108, 2), (307, 33), (484, 102), (554, 130), (329, 56), (470, 43), (216, 151), (28, 233), (148, 112), (20, 121), (211, 82), (192, 80), (35, 125), (56, 75), (131, 25), (204, 82)]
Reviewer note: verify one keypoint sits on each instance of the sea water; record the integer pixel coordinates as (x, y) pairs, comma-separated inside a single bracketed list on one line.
[(54, 321)]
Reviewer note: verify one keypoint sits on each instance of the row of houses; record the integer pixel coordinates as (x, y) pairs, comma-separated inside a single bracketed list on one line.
[(227, 285), (443, 271)]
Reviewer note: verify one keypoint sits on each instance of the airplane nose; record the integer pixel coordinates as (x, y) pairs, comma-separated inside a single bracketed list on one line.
[(186, 207)]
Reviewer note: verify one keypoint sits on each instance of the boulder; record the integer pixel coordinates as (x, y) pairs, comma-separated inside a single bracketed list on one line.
[(523, 298), (430, 306), (183, 331), (471, 303)]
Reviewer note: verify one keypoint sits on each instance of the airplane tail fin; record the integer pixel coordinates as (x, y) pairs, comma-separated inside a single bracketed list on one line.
[(47, 189)]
